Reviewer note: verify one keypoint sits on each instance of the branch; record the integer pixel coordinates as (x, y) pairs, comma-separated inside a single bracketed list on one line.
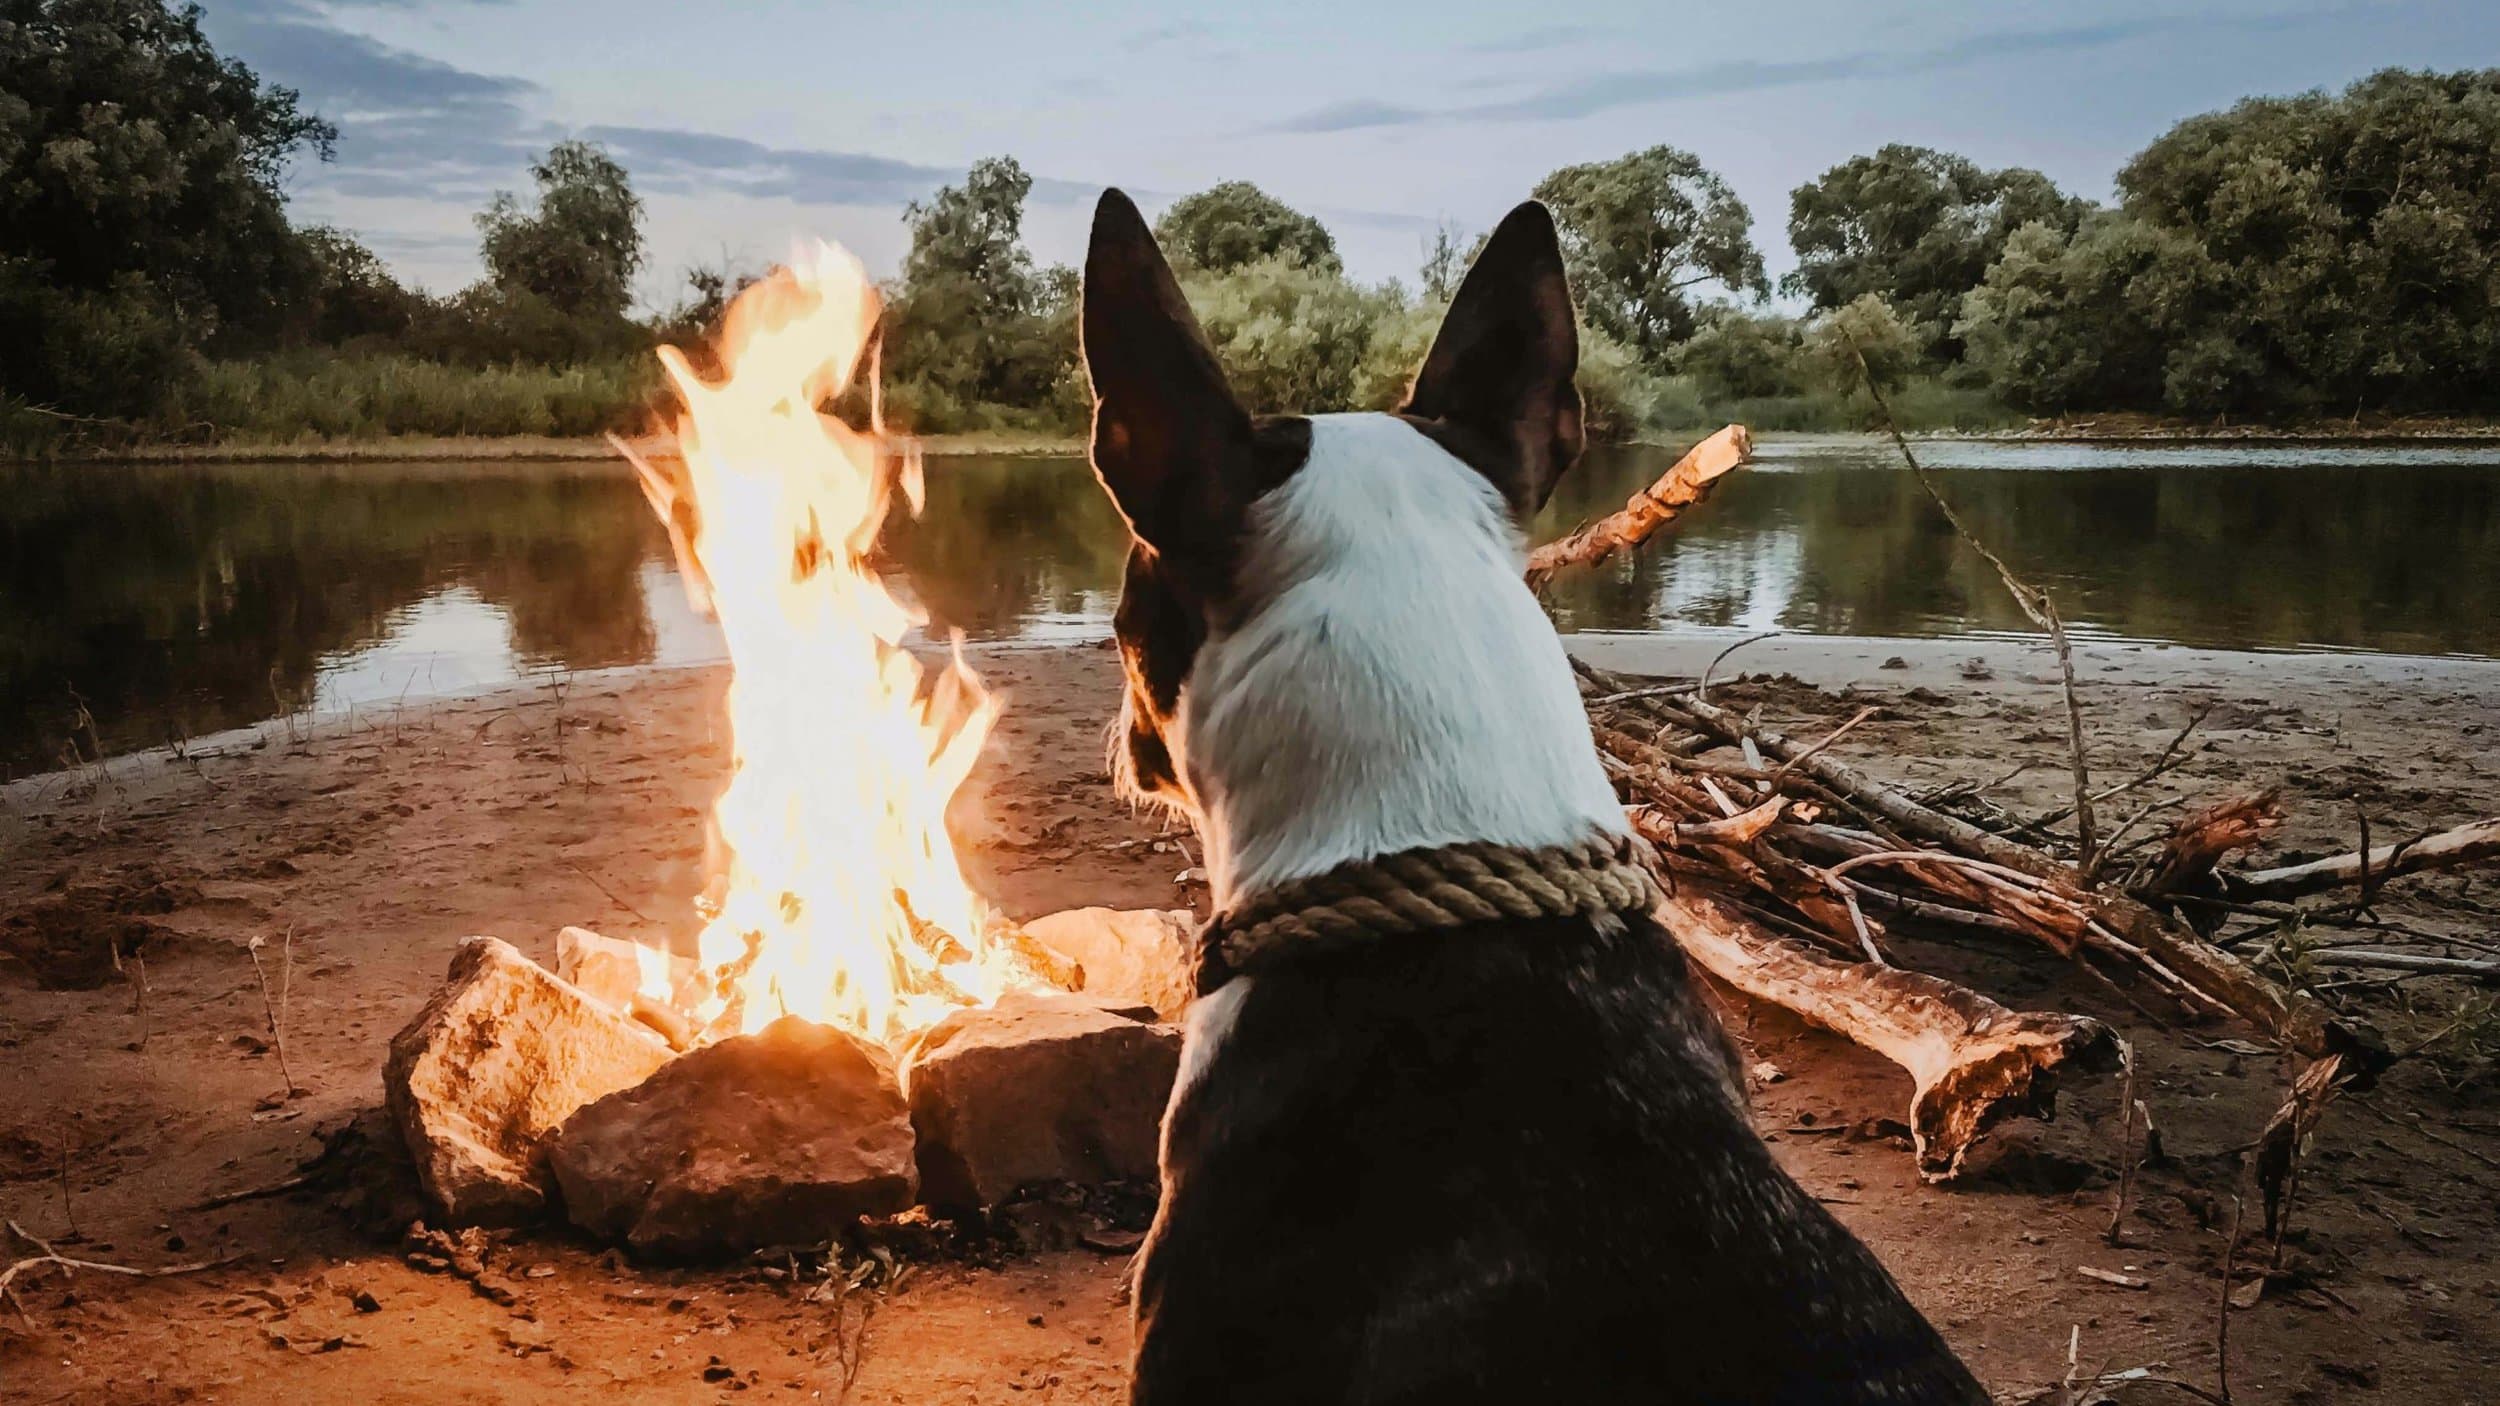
[(1680, 487), (2466, 844), (1973, 1061)]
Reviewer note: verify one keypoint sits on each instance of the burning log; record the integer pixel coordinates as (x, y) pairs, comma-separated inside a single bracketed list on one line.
[(1973, 1061), (1680, 487), (2465, 844)]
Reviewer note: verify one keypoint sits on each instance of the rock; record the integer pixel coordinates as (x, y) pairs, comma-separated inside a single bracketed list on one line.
[(611, 969), (1137, 955), (1037, 1089), (782, 1137), (497, 1061)]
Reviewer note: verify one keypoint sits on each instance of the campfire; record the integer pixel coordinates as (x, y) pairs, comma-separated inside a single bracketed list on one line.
[(855, 1028), (838, 896)]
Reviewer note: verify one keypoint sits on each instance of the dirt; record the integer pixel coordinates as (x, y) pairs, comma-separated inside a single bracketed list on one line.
[(361, 850)]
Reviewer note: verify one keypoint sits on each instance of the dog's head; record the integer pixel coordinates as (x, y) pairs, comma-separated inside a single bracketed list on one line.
[(1195, 472)]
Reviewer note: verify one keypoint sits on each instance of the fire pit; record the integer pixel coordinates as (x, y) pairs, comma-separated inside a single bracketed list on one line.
[(854, 1028)]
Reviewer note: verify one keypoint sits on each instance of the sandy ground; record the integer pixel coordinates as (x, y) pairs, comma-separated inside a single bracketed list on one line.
[(379, 842)]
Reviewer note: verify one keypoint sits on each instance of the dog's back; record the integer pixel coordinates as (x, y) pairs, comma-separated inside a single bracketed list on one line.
[(1504, 1165), (1504, 1162)]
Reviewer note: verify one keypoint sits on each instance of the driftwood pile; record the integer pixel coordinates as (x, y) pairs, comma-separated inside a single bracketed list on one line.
[(1788, 868)]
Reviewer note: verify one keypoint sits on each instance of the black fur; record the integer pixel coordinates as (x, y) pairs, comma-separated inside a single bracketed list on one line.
[(1496, 389), (1504, 1165), (1183, 460)]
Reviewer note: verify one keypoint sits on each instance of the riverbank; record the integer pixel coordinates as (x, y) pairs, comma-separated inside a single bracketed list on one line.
[(378, 840), (1024, 444)]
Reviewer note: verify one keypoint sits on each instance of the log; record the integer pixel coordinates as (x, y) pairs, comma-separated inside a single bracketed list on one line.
[(1680, 487), (2466, 844), (1973, 1062), (2291, 1018)]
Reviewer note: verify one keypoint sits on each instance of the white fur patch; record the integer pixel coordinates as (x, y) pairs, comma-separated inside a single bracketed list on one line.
[(1209, 1021), (1392, 684)]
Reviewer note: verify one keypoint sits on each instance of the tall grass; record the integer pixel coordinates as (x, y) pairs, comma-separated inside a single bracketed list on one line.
[(314, 396), (1920, 404)]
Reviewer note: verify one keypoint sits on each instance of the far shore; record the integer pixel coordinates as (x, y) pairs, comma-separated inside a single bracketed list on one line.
[(2105, 429)]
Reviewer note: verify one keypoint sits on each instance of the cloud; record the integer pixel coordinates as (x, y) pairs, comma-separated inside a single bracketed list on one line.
[(686, 162), (1589, 94), (408, 124), (1530, 41), (1354, 115), (1176, 32)]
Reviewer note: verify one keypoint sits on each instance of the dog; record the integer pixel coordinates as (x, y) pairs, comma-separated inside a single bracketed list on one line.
[(1508, 1163)]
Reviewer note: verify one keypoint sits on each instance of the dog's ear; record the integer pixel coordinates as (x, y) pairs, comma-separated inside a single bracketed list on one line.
[(1170, 438), (1499, 373)]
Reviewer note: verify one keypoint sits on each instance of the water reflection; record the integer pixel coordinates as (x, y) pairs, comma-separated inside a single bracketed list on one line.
[(181, 600)]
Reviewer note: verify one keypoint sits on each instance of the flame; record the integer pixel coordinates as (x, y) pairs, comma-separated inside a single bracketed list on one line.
[(839, 896)]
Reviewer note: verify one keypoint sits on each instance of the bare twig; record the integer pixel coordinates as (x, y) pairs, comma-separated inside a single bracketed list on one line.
[(2033, 602), (1702, 688), (598, 884), (1828, 739), (2126, 1141), (51, 1256), (273, 1010), (2222, 1315)]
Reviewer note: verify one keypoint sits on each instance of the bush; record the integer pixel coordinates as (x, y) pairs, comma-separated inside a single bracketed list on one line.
[(1291, 336), (114, 353), (323, 396), (1739, 354)]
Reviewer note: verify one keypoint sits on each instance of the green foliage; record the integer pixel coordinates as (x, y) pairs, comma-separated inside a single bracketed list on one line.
[(2290, 256), (353, 295), (140, 212), (1916, 227), (1292, 336), (1739, 354), (2084, 322), (1640, 232), (1866, 341), (322, 395), (1235, 224), (971, 323), (1443, 264), (578, 248)]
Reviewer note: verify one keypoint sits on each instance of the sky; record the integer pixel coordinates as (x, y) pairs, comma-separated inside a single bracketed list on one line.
[(747, 126)]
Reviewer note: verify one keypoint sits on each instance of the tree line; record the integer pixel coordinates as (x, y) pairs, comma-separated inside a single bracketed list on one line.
[(2287, 258)]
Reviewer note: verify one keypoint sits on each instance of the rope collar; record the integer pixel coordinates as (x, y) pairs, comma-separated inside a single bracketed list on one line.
[(1426, 890)]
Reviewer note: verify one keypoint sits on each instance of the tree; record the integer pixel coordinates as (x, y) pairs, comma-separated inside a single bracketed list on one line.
[(971, 323), (2080, 323), (2354, 236), (1917, 228), (1443, 264), (140, 212), (354, 293), (1227, 226), (580, 247), (1640, 232), (1865, 343), (2319, 254), (1738, 354)]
